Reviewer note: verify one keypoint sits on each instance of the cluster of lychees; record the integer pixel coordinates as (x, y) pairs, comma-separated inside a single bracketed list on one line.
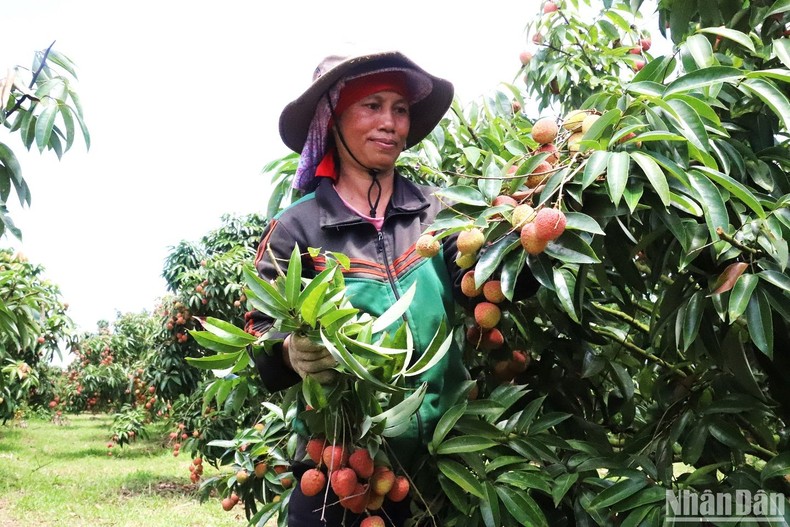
[(179, 435), (177, 322), (358, 482), (196, 469)]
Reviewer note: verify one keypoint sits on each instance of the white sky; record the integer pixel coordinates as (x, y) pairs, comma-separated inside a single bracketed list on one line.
[(182, 99)]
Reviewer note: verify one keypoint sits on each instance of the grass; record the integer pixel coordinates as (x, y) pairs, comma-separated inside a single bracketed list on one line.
[(53, 475)]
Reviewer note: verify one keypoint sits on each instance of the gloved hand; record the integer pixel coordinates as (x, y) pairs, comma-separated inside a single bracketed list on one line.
[(308, 358)]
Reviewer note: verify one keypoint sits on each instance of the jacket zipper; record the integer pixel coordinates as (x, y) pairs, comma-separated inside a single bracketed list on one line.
[(380, 247)]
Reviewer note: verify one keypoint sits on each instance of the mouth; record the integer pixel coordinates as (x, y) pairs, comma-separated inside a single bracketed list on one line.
[(384, 142)]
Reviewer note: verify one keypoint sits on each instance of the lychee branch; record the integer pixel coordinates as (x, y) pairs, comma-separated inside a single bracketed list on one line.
[(32, 82), (625, 317), (735, 243), (467, 126), (639, 351)]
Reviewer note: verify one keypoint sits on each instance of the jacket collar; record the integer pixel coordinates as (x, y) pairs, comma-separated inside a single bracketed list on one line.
[(406, 199)]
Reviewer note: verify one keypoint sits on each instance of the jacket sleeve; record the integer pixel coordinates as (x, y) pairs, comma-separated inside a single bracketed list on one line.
[(274, 250)]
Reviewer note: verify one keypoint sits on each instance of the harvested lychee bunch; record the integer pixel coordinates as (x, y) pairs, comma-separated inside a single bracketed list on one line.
[(427, 246)]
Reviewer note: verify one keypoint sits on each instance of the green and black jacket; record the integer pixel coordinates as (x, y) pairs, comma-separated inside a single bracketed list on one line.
[(384, 264)]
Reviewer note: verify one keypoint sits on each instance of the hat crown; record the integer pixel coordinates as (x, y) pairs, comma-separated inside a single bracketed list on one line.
[(327, 64)]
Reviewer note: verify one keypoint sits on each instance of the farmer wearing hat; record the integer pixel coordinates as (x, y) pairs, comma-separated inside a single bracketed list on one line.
[(350, 126)]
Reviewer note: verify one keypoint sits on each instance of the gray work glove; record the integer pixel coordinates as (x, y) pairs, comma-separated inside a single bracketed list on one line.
[(308, 358)]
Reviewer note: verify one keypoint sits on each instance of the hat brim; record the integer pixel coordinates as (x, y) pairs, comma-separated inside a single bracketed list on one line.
[(425, 114)]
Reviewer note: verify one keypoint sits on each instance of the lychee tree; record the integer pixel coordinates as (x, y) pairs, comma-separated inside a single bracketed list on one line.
[(654, 214)]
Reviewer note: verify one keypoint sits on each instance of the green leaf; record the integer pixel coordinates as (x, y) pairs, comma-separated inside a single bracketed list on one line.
[(728, 434), (776, 278), (219, 361), (594, 167), (578, 221), (350, 363), (562, 484), (464, 444), (780, 6), (397, 419), (461, 476), (492, 256), (607, 119), (617, 174), (565, 284), (293, 278), (656, 136), (770, 95), (690, 124), (712, 203), (735, 188), (692, 318), (525, 480), (264, 291), (489, 506), (618, 492), (782, 49), (310, 306), (760, 323), (528, 415), (571, 248), (700, 50), (44, 124), (694, 443), (522, 507), (447, 422), (434, 353), (227, 331), (731, 34), (395, 312), (654, 174), (740, 295), (704, 77), (463, 194), (777, 466), (215, 343)]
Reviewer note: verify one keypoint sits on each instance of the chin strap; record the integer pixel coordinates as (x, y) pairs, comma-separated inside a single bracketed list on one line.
[(372, 172)]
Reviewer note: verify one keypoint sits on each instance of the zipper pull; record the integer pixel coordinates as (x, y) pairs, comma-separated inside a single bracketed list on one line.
[(380, 242)]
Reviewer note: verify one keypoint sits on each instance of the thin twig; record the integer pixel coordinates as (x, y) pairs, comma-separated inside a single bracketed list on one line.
[(32, 82)]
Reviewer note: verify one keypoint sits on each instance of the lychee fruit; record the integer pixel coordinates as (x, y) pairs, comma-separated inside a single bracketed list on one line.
[(357, 500), (312, 482), (549, 223), (504, 200), (573, 121), (260, 470), (487, 315), (646, 43), (525, 57), (361, 462), (468, 284), (343, 482), (427, 246), (544, 130), (470, 241), (519, 361), (530, 240), (315, 448), (372, 521), (242, 476), (465, 261), (549, 7), (334, 457), (375, 502), (382, 480), (521, 216), (492, 339), (574, 141), (227, 504), (399, 490), (589, 121), (551, 149), (492, 291), (502, 371)]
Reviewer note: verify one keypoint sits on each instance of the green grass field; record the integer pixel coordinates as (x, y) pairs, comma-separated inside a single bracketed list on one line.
[(53, 475)]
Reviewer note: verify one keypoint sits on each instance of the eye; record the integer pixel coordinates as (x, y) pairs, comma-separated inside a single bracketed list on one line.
[(373, 105), (402, 110)]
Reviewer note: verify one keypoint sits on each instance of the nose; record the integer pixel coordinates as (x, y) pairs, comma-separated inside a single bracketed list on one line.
[(388, 119)]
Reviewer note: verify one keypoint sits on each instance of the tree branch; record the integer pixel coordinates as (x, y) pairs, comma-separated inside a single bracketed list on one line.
[(32, 81)]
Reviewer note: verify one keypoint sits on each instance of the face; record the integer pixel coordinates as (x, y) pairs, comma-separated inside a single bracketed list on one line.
[(375, 129)]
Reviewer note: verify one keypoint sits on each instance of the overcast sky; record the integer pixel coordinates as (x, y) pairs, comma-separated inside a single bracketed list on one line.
[(182, 99)]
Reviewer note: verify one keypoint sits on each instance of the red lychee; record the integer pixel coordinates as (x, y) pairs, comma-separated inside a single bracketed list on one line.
[(504, 200), (519, 362), (357, 501), (530, 240), (372, 521), (314, 449), (545, 130), (361, 462), (399, 490), (381, 481), (468, 285), (525, 57), (334, 457), (312, 482), (549, 7), (487, 315), (343, 482), (549, 223), (492, 291)]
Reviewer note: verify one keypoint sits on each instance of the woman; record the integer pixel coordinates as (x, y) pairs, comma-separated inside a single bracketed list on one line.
[(350, 126)]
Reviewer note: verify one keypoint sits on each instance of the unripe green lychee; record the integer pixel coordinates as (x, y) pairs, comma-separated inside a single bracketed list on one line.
[(492, 291), (487, 315), (470, 241), (468, 285), (312, 482), (522, 215), (574, 141), (465, 261), (589, 121), (573, 121), (530, 240), (544, 130), (549, 223), (427, 246)]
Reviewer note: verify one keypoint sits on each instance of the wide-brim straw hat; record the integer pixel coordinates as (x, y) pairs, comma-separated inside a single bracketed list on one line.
[(425, 113)]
